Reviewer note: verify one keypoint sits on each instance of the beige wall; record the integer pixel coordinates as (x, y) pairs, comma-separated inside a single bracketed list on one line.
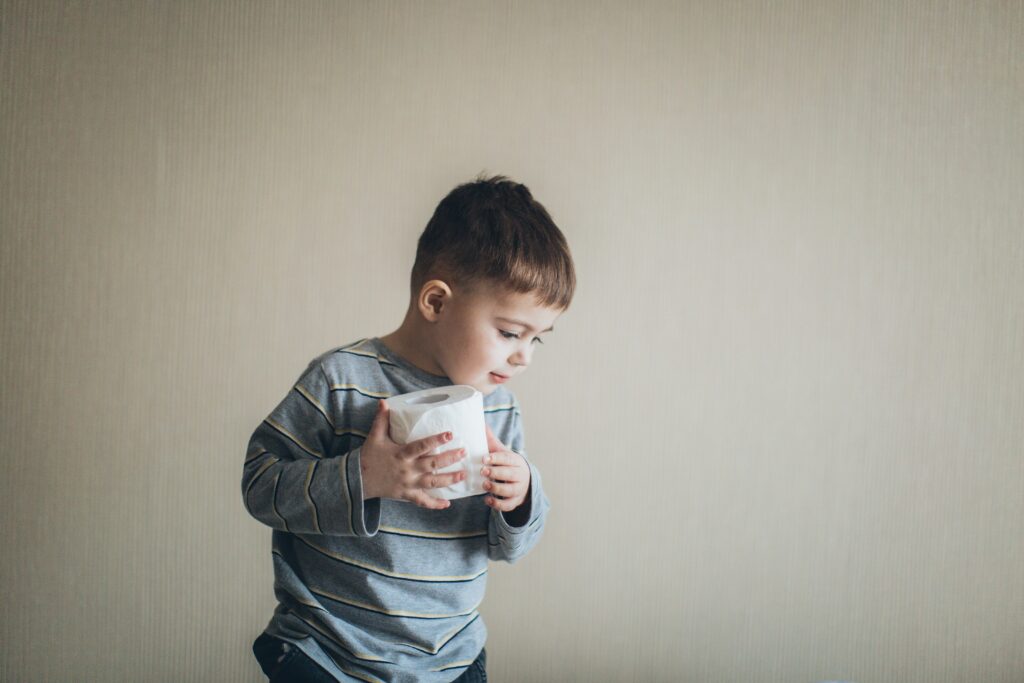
[(781, 426)]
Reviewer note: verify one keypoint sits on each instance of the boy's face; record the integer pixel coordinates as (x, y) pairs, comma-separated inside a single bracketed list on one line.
[(487, 336)]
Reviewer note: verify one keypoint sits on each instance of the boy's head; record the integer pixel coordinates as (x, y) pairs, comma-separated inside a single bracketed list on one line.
[(493, 232), (492, 272)]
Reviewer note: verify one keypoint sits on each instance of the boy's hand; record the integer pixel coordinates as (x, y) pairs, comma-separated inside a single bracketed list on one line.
[(391, 470), (508, 475)]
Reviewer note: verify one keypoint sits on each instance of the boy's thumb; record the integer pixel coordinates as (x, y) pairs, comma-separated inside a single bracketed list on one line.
[(493, 443), (380, 419)]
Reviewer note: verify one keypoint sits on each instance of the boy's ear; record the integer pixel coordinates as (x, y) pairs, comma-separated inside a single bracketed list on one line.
[(434, 296)]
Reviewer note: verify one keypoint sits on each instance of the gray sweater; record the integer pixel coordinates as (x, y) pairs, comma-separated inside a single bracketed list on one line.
[(374, 589)]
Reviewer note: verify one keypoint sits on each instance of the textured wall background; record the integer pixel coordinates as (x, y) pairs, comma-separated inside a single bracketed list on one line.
[(782, 425)]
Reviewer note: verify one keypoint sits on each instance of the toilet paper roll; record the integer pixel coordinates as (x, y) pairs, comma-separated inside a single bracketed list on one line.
[(458, 409)]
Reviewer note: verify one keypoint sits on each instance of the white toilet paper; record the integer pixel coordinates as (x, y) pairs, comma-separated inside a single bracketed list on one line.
[(458, 409)]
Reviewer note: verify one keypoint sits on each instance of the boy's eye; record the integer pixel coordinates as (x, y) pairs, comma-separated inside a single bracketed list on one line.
[(515, 335)]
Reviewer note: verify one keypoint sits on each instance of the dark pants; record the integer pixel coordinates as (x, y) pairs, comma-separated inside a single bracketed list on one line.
[(284, 663)]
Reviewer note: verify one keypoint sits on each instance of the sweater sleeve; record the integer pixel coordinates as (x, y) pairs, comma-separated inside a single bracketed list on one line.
[(509, 542), (294, 480)]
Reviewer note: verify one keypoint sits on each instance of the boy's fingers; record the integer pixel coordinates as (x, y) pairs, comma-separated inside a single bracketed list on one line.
[(504, 490), (424, 446), (429, 463), (498, 504), (427, 501), (503, 457), (510, 474), (437, 481)]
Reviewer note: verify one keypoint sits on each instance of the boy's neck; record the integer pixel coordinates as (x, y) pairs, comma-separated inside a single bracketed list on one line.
[(412, 344)]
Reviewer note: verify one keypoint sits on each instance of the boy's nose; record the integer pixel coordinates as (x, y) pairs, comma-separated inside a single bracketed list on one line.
[(520, 357)]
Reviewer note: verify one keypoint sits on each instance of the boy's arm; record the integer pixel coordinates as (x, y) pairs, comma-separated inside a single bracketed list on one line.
[(293, 481), (512, 534)]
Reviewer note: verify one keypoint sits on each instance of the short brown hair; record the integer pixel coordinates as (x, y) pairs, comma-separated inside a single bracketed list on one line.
[(492, 229)]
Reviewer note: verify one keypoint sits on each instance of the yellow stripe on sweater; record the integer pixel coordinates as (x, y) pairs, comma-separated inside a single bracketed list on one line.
[(361, 390), (293, 438), (309, 397)]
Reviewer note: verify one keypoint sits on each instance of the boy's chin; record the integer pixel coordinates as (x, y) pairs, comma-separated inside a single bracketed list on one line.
[(485, 388)]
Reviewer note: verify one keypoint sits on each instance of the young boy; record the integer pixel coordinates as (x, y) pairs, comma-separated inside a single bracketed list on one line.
[(377, 580)]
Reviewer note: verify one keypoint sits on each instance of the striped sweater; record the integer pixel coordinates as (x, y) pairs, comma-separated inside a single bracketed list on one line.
[(373, 590)]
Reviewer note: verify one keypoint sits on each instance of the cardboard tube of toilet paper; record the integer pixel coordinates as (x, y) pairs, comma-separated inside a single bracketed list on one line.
[(458, 409)]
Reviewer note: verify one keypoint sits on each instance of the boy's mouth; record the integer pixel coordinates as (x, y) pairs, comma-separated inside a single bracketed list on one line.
[(495, 377)]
